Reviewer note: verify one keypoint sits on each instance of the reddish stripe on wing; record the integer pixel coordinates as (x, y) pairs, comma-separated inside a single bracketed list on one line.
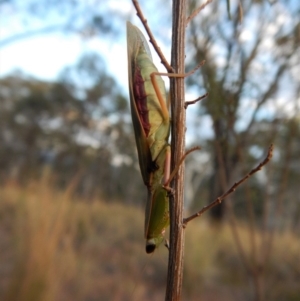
[(140, 97)]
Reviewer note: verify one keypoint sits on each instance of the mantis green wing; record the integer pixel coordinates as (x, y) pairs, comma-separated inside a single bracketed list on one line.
[(133, 45), (149, 113), (151, 124)]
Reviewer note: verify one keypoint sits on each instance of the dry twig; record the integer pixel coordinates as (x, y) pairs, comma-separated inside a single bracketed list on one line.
[(196, 12), (232, 188), (151, 37), (191, 102)]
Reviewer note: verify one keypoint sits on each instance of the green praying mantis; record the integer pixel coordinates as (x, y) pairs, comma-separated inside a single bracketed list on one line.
[(151, 122)]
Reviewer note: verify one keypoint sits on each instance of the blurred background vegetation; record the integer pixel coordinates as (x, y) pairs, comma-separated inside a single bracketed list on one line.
[(71, 194)]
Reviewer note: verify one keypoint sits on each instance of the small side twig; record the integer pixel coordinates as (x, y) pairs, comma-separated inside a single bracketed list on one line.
[(231, 189), (195, 69), (196, 12), (191, 102), (151, 37), (167, 244)]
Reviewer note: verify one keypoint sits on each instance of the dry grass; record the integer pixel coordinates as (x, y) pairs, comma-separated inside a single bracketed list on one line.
[(55, 247)]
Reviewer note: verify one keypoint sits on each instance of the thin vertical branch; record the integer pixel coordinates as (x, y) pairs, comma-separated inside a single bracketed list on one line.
[(176, 254), (151, 37)]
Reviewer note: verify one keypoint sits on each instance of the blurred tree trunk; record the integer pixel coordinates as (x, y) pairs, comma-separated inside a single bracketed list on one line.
[(242, 75)]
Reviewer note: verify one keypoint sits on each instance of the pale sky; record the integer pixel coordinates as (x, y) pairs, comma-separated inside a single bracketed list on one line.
[(46, 55)]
